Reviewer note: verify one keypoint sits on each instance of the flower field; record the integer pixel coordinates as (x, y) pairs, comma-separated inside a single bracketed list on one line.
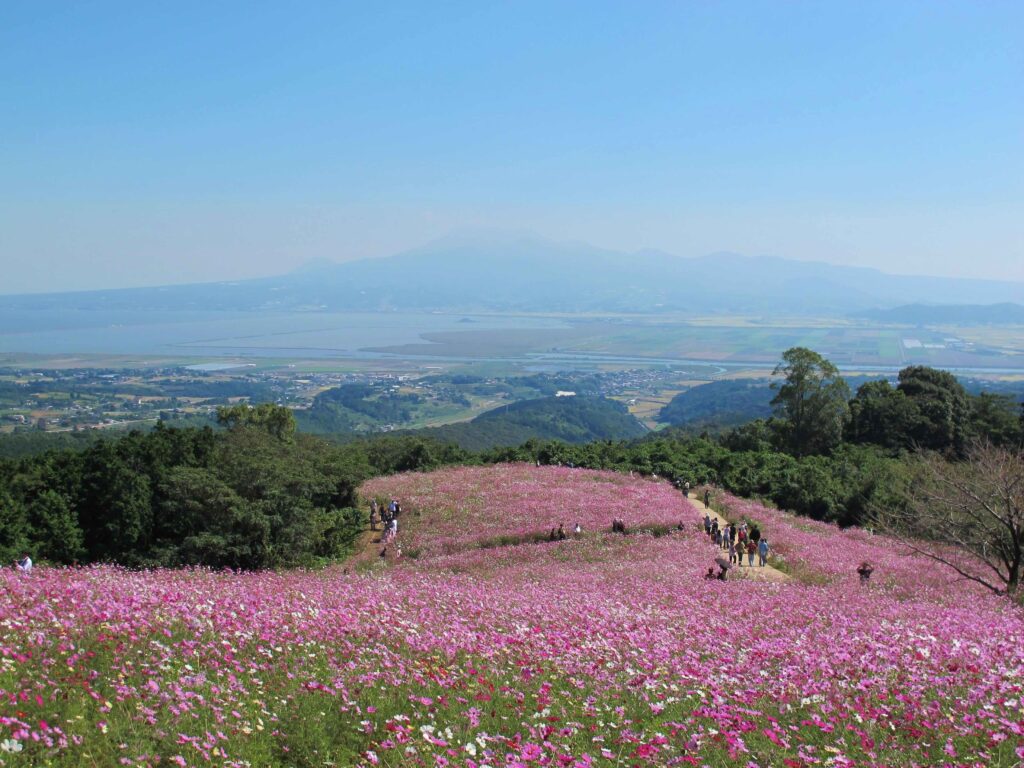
[(605, 650), (472, 505)]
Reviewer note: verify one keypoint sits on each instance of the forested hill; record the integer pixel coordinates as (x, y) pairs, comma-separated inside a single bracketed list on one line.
[(720, 404), (570, 419)]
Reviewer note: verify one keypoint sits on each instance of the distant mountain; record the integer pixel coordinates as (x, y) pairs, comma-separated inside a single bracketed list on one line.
[(523, 273), (1005, 313), (572, 419)]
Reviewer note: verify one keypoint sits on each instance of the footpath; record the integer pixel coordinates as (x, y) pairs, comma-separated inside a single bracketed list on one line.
[(766, 573)]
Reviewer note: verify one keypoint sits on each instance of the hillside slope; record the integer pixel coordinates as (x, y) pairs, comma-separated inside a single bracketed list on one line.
[(472, 649), (579, 419)]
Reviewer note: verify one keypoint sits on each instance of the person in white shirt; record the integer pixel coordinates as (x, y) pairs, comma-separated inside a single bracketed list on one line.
[(25, 564)]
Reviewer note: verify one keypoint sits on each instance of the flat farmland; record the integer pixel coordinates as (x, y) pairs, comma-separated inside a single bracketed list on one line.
[(734, 343)]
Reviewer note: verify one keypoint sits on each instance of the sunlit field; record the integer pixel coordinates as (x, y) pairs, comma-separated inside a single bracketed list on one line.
[(485, 644)]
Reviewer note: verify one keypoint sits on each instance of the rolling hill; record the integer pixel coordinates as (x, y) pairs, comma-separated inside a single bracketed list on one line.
[(572, 419)]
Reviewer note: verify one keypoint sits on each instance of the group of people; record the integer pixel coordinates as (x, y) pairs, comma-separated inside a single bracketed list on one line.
[(388, 514), (738, 540), (558, 534)]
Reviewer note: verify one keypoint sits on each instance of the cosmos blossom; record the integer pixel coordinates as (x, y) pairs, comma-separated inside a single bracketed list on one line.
[(598, 650)]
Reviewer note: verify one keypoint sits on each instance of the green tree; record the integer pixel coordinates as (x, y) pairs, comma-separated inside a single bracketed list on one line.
[(54, 528), (881, 415), (277, 420), (941, 419), (14, 528), (994, 418), (810, 402)]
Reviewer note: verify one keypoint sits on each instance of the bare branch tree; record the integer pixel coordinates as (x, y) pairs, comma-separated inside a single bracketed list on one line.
[(967, 515)]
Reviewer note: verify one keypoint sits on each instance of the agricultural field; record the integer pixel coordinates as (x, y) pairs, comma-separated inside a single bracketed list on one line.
[(487, 645)]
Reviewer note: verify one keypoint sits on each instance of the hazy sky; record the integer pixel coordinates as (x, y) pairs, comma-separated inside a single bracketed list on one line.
[(145, 143)]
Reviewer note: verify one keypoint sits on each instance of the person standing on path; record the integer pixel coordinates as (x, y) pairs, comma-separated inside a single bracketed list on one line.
[(707, 498), (686, 488), (707, 523), (762, 552), (751, 549)]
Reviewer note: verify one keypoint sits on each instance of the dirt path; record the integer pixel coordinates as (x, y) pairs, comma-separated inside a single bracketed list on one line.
[(366, 551), (767, 573)]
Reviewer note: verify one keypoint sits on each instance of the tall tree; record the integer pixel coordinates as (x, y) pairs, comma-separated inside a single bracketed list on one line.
[(967, 515), (810, 402), (941, 409)]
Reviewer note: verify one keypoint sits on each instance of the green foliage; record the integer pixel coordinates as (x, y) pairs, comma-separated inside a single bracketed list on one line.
[(277, 420), (810, 402), (941, 413), (21, 444), (572, 419), (14, 529), (997, 418), (251, 497), (881, 415), (719, 403), (54, 531)]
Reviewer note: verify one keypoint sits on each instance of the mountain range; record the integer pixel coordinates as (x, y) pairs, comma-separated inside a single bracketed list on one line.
[(525, 273)]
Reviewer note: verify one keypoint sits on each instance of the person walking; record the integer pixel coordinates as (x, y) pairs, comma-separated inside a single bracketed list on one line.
[(751, 551), (686, 488), (707, 524), (762, 552), (707, 498), (732, 552)]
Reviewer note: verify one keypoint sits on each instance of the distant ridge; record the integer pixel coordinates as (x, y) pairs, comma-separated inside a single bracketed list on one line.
[(1005, 313), (580, 419), (524, 273)]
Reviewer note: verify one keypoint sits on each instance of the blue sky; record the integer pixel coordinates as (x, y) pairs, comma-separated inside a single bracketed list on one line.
[(145, 143)]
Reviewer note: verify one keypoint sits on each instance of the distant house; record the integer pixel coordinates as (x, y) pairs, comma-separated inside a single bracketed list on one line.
[(563, 393)]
